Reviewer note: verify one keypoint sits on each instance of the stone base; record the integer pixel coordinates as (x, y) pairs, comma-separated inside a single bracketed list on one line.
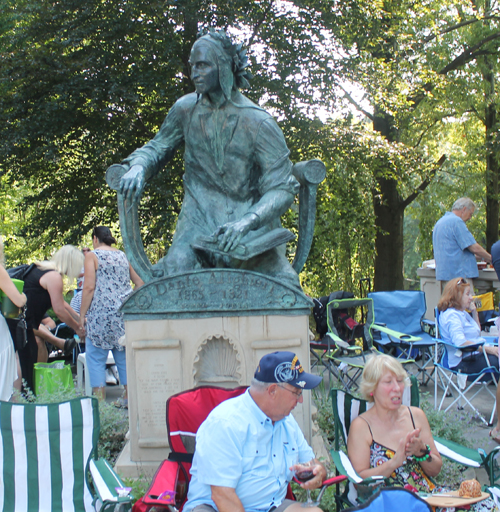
[(166, 356), (127, 468)]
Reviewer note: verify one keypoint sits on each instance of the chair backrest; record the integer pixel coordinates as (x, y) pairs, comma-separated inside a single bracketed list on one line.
[(44, 454), (347, 407), (187, 410), (400, 310), (344, 304), (393, 498)]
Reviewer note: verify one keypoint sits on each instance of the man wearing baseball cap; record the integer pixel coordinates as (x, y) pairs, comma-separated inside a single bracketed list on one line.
[(249, 447)]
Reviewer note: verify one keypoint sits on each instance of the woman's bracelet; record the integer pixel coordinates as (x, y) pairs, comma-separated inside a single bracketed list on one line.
[(426, 455)]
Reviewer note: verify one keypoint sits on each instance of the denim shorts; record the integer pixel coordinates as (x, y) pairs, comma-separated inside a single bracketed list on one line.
[(96, 364)]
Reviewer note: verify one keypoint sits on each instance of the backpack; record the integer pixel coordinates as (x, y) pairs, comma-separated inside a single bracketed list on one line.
[(21, 271)]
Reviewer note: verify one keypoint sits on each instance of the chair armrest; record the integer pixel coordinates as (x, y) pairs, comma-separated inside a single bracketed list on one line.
[(458, 453), (340, 343), (105, 482), (344, 467), (463, 348), (401, 336)]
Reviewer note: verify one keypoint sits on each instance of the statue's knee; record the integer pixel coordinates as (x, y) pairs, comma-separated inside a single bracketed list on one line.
[(180, 261)]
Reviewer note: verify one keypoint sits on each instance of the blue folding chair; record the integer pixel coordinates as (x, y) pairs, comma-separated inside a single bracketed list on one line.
[(393, 498), (403, 311), (463, 386)]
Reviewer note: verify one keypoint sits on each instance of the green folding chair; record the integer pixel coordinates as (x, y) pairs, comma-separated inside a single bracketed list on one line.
[(349, 360), (47, 452)]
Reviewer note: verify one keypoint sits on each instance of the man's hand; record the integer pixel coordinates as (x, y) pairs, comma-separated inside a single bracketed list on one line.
[(318, 470), (231, 233), (132, 183)]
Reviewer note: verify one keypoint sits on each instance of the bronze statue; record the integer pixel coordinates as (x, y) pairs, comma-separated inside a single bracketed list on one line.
[(238, 178)]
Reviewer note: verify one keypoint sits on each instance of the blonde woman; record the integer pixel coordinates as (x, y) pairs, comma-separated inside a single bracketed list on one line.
[(394, 440), (43, 287), (8, 359)]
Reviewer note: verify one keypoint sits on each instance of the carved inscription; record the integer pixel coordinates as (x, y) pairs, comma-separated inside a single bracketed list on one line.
[(219, 290), (158, 377)]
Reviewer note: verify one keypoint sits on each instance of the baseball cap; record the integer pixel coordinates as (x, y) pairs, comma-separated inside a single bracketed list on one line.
[(285, 367)]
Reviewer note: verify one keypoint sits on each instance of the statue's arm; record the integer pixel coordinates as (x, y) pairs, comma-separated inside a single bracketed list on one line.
[(277, 185), (144, 163)]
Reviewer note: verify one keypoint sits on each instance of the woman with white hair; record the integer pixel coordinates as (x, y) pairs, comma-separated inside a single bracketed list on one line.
[(43, 287), (8, 360)]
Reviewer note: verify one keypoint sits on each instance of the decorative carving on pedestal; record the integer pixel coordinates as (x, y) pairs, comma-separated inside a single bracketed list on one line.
[(217, 363)]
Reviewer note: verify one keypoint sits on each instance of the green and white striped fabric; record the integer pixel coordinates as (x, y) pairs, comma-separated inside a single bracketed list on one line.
[(105, 483), (44, 452)]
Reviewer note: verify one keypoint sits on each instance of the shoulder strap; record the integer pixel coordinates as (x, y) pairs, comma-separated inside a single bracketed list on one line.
[(411, 416), (369, 428)]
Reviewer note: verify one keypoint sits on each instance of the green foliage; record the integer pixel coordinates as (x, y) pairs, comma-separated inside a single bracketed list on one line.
[(139, 486), (82, 86)]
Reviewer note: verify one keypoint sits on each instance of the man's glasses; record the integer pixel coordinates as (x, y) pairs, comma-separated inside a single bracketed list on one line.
[(297, 394)]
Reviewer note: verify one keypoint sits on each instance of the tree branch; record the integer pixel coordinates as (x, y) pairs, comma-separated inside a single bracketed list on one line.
[(469, 54), (457, 26), (259, 23), (424, 183), (353, 102)]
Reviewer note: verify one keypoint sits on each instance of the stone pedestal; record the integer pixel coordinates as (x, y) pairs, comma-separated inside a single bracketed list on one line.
[(209, 327)]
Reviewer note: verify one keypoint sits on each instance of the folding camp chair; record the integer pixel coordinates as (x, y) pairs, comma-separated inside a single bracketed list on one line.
[(46, 453), (462, 386), (350, 358), (346, 408), (393, 498), (403, 312), (325, 345)]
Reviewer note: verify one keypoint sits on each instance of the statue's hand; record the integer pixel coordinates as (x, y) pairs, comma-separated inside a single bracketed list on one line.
[(230, 234), (132, 183)]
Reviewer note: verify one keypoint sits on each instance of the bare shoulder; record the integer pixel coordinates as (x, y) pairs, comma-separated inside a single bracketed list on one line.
[(359, 425), (51, 278), (418, 415)]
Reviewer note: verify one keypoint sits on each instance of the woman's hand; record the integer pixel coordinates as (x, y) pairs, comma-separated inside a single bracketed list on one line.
[(81, 327), (414, 445), (400, 455)]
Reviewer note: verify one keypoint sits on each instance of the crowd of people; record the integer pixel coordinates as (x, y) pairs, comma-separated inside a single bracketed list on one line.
[(105, 274)]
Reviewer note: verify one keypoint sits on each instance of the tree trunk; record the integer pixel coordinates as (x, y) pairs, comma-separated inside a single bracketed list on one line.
[(389, 216), (389, 247), (492, 162)]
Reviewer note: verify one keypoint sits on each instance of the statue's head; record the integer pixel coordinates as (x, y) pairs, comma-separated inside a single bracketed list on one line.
[(231, 61)]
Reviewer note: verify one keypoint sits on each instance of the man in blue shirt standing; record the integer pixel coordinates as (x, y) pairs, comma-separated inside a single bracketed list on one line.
[(455, 249), (249, 447)]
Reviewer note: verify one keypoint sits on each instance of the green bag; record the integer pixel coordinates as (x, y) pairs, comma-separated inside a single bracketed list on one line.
[(52, 377), (9, 309)]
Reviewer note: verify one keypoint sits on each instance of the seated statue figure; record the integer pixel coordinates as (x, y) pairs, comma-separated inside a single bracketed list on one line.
[(238, 177)]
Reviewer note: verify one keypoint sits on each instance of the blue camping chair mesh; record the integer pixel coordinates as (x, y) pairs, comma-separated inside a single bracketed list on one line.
[(463, 387)]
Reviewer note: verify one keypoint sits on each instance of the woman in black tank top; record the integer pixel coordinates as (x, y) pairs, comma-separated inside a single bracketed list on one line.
[(43, 286)]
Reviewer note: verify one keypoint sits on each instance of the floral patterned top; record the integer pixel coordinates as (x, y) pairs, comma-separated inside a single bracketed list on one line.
[(105, 324), (412, 477)]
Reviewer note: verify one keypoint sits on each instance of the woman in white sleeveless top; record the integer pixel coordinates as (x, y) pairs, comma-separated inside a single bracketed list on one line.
[(9, 366)]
